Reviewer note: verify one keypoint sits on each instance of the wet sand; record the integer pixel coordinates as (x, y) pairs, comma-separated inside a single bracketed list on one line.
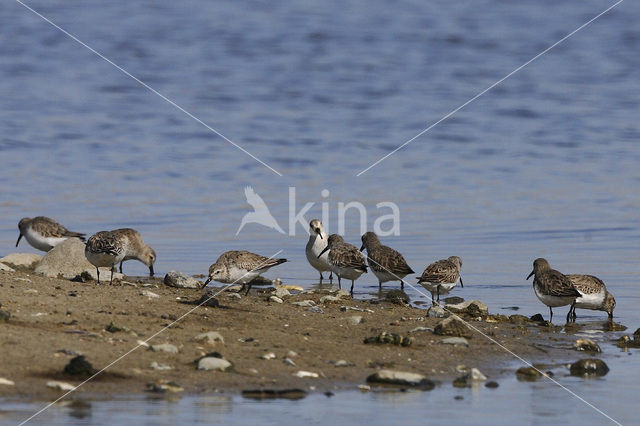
[(52, 320)]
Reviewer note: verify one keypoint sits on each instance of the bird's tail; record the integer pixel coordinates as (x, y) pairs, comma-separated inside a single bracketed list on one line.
[(75, 235)]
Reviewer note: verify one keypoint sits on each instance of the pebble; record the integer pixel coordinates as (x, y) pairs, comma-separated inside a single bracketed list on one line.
[(275, 299), (355, 320), (150, 294), (491, 385), (25, 260), (589, 367), (329, 299), (6, 268), (269, 355), (452, 326), (315, 310), (62, 386), (472, 308), (142, 343), (353, 308), (281, 293), (165, 347), (212, 363), (164, 386), (455, 341), (181, 280), (437, 312), (160, 367), (4, 316), (305, 303), (398, 297), (303, 374), (234, 296), (79, 366), (587, 345), (402, 378), (417, 329), (342, 293), (7, 382), (289, 361), (209, 338), (389, 338), (343, 363), (528, 374)]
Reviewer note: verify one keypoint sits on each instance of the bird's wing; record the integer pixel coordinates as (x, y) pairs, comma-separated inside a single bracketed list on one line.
[(559, 285), (442, 271)]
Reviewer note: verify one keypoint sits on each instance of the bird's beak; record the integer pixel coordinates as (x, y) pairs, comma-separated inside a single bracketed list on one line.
[(151, 270), (362, 248), (461, 285), (529, 276), (319, 233), (322, 252), (207, 282), (19, 237)]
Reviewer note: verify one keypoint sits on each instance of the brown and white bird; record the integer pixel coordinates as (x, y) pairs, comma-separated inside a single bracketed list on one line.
[(552, 287), (346, 260), (44, 233), (105, 249), (386, 263), (318, 240), (135, 248), (593, 294), (240, 266), (441, 276)]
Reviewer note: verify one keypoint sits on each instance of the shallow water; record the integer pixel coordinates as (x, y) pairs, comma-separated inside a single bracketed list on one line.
[(546, 164)]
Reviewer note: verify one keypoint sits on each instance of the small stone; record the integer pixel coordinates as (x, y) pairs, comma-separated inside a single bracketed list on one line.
[(61, 386), (181, 280), (164, 386), (267, 356), (305, 303), (476, 375), (437, 312), (234, 296), (315, 310), (519, 319), (292, 394), (79, 366), (472, 308), (587, 345), (453, 300), (6, 268), (289, 361), (417, 329), (4, 316), (21, 260), (281, 293), (528, 374), (150, 294), (452, 326), (292, 354), (303, 374), (625, 342), (343, 363), (497, 318), (456, 341), (491, 385), (165, 347), (329, 299), (355, 320), (589, 367), (636, 334), (275, 299), (537, 318), (142, 343), (160, 367), (401, 378), (212, 363), (209, 338), (470, 378), (6, 382), (343, 294), (389, 338), (397, 297)]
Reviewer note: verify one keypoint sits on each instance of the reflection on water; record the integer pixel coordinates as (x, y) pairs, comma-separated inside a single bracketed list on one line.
[(546, 164)]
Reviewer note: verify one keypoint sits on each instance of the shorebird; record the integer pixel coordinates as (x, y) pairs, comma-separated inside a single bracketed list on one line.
[(135, 248), (345, 260), (104, 249), (386, 263), (442, 276), (553, 288), (593, 294), (44, 233), (318, 240), (260, 213), (240, 267)]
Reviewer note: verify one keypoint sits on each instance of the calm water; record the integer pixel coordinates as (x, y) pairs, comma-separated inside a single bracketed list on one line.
[(546, 164)]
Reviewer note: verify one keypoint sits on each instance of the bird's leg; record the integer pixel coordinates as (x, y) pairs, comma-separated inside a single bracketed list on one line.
[(402, 284), (121, 265), (321, 278), (241, 288), (331, 277), (248, 288), (98, 272), (433, 301), (380, 284), (111, 280), (339, 284), (550, 315), (438, 293), (352, 281)]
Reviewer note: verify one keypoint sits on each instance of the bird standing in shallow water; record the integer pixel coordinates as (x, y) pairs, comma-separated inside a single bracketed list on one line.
[(593, 294), (345, 260), (386, 263), (318, 240), (105, 249), (44, 233), (240, 266), (441, 277), (552, 287)]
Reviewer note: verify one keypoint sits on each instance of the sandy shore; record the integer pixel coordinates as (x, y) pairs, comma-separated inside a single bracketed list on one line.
[(52, 320)]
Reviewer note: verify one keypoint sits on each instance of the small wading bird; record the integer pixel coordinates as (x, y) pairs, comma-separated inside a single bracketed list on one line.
[(105, 249), (240, 267), (386, 263), (345, 260), (261, 213), (318, 240), (593, 294), (441, 276), (44, 233), (553, 288), (135, 248)]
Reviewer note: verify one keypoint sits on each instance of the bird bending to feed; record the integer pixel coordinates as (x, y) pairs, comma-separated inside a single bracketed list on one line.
[(240, 267), (105, 249), (552, 287), (260, 213), (441, 276), (386, 263), (318, 240), (135, 248), (44, 233), (345, 260), (593, 294)]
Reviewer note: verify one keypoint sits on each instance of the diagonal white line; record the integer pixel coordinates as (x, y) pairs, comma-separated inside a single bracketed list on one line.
[(146, 341), (452, 112), (472, 327), (146, 86)]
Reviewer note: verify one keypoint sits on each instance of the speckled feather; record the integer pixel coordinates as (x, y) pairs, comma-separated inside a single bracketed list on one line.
[(105, 242), (48, 227), (382, 258), (243, 259), (553, 283), (441, 271), (345, 255), (587, 284)]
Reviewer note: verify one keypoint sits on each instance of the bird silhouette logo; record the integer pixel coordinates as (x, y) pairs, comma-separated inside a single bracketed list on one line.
[(260, 214)]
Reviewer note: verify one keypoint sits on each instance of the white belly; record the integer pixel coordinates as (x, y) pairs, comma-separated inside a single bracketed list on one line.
[(347, 273), (590, 301), (103, 259), (240, 276), (384, 276), (313, 250), (553, 301), (40, 242), (445, 288)]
